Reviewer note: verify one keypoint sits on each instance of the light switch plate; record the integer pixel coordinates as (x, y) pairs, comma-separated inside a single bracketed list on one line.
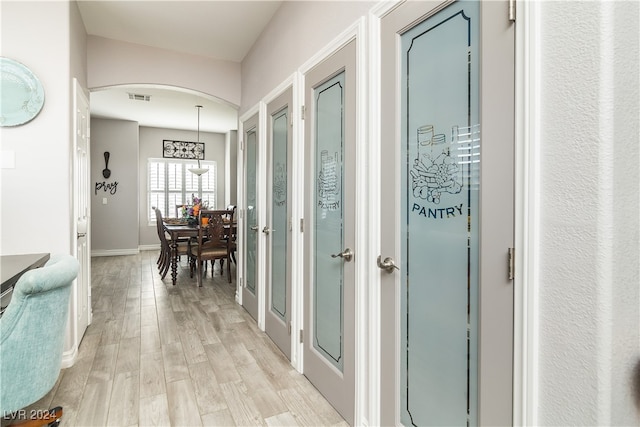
[(7, 159)]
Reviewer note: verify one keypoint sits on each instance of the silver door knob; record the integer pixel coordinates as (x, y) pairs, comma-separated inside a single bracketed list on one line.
[(254, 228), (267, 230), (387, 264), (347, 255)]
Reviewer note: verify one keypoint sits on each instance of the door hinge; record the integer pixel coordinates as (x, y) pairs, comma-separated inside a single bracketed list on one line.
[(302, 225), (301, 336), (289, 328), (241, 145), (511, 263), (302, 111), (512, 10)]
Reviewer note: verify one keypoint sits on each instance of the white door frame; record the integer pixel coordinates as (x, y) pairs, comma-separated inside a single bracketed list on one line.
[(261, 110), (357, 32), (73, 334)]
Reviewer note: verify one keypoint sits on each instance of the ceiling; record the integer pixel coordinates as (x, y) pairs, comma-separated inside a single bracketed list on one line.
[(223, 30)]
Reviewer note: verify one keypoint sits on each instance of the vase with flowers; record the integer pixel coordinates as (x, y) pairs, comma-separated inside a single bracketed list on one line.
[(190, 212)]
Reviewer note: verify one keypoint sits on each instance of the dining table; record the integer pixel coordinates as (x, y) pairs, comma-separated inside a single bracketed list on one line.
[(179, 230)]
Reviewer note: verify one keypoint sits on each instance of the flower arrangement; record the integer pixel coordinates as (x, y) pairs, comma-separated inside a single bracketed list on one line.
[(196, 206)]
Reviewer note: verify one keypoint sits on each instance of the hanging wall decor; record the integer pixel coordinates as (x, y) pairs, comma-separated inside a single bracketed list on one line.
[(21, 93), (183, 149)]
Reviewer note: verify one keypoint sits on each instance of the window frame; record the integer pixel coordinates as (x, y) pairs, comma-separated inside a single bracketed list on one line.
[(168, 193)]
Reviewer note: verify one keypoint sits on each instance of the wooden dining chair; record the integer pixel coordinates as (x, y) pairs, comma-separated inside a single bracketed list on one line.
[(232, 233), (211, 244), (164, 260), (179, 209)]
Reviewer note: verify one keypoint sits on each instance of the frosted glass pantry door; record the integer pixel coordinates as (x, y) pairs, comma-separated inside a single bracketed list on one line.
[(447, 81), (329, 231), (278, 228), (250, 286)]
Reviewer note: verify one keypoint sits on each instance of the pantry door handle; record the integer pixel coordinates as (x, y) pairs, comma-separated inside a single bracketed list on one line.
[(388, 264), (347, 255)]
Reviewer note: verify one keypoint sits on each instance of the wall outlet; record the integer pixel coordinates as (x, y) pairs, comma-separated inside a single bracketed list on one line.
[(104, 200)]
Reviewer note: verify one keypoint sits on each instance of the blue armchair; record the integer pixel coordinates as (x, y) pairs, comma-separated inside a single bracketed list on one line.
[(32, 332)]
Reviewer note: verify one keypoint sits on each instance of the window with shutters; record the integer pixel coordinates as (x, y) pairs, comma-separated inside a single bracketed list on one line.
[(171, 184)]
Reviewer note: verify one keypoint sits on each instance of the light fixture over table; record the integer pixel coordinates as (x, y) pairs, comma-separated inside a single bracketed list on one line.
[(199, 170)]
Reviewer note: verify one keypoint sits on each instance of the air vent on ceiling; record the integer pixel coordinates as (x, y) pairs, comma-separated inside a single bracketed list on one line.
[(138, 97)]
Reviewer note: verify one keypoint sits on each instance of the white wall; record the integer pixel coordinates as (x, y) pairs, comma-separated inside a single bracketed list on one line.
[(231, 191), (36, 194), (151, 146), (112, 62), (589, 243)]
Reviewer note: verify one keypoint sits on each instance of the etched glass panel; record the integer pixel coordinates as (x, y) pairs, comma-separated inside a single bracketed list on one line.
[(441, 145), (279, 187), (252, 210), (329, 153)]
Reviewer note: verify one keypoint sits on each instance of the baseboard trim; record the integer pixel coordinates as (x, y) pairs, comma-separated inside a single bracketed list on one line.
[(69, 358), (114, 252), (155, 247)]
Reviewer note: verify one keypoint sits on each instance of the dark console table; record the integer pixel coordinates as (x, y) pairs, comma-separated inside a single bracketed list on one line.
[(14, 266)]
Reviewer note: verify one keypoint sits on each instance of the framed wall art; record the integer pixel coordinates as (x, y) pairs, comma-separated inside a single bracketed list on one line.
[(182, 149)]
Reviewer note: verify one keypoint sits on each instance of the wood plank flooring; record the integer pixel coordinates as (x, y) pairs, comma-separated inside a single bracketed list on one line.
[(157, 354)]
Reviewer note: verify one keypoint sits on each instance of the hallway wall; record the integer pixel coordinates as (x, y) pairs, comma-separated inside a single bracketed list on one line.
[(41, 148), (296, 32), (586, 281), (589, 293), (112, 62)]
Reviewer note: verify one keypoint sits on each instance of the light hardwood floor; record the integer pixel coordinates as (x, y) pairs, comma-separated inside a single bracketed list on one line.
[(157, 354)]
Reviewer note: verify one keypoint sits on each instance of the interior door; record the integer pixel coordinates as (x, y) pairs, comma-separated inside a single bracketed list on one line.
[(329, 294), (251, 219), (447, 159), (278, 228), (81, 192)]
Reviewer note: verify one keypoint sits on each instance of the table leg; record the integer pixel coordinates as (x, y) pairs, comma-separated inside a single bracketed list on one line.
[(174, 261)]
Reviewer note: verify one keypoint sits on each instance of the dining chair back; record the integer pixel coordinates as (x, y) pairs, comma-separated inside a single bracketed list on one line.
[(179, 209), (212, 242), (232, 233)]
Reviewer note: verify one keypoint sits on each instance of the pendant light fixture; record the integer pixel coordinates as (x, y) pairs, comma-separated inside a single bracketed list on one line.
[(199, 170)]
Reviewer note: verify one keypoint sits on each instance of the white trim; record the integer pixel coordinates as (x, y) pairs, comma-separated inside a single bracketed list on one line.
[(373, 226), (351, 33), (247, 115), (297, 214), (69, 358), (363, 231), (261, 200), (280, 89), (241, 209), (154, 247), (527, 214), (227, 170), (114, 252)]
